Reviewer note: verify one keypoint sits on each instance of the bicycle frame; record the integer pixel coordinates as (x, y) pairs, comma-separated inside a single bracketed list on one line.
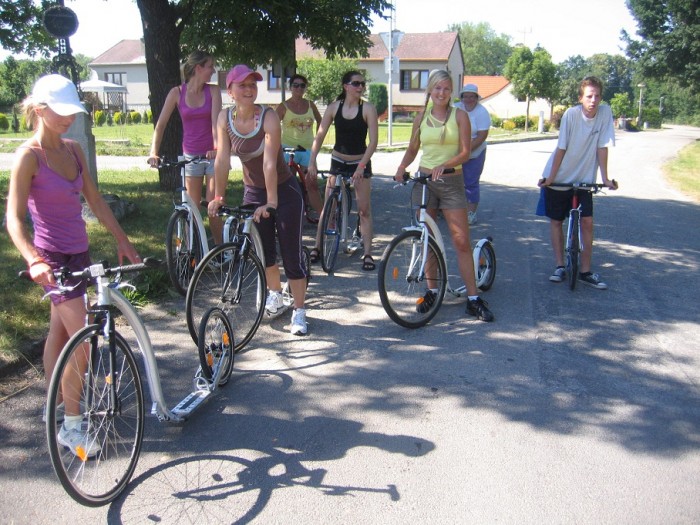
[(194, 214)]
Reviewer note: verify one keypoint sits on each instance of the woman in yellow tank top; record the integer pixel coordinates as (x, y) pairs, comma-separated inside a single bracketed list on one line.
[(443, 136), (298, 115)]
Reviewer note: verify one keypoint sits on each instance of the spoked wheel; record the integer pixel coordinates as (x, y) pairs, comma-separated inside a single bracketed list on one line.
[(331, 230), (403, 289), (216, 345), (233, 282), (572, 252), (181, 257), (95, 460), (484, 265)]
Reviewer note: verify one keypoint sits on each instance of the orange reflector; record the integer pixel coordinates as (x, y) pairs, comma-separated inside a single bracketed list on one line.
[(225, 339), (108, 380), (210, 359), (395, 273), (80, 452)]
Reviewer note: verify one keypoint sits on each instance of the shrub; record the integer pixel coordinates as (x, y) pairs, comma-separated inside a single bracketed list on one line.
[(508, 125), (100, 118), (119, 117), (652, 116), (519, 121), (379, 97), (496, 122), (135, 117), (4, 122), (557, 114)]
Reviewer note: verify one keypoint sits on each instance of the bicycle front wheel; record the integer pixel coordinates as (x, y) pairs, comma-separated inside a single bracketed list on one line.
[(183, 250), (331, 229), (572, 251), (216, 345), (232, 281), (95, 461), (485, 266), (404, 280)]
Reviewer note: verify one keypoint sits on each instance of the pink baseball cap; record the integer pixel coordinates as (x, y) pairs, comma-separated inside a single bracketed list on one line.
[(239, 73), (59, 94)]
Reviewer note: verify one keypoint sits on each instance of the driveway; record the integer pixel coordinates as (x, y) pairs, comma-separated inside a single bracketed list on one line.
[(572, 407)]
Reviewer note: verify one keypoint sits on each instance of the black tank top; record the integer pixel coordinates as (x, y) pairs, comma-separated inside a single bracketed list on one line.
[(350, 135)]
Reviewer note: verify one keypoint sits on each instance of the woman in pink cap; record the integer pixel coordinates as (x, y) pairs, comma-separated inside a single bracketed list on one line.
[(47, 178), (254, 134)]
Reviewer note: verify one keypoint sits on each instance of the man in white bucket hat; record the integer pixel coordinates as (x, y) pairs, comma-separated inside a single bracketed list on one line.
[(480, 120)]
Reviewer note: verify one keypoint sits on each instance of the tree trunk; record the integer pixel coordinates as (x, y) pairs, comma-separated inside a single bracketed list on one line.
[(161, 34)]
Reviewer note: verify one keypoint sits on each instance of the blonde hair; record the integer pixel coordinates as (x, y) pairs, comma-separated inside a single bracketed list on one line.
[(29, 108), (436, 76), (196, 58)]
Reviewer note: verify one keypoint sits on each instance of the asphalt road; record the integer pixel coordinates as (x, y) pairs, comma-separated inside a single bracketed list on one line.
[(578, 407)]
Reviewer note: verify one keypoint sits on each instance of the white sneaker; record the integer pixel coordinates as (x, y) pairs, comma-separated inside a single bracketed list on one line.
[(299, 326), (274, 304), (472, 217), (60, 413), (82, 444)]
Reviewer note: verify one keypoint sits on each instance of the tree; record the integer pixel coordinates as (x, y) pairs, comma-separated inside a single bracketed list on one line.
[(22, 29), (379, 96), (484, 52), (324, 77), (18, 76), (621, 105), (670, 40), (533, 75)]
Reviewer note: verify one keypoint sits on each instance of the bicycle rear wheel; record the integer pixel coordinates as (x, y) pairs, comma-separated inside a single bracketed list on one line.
[(216, 345), (232, 281), (403, 287), (98, 467), (331, 229), (181, 259), (485, 265), (572, 250)]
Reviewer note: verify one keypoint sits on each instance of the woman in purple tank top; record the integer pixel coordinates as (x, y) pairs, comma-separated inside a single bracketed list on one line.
[(198, 103), (47, 178)]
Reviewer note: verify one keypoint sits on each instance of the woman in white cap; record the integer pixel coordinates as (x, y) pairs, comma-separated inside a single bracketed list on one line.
[(48, 176), (481, 124), (254, 134)]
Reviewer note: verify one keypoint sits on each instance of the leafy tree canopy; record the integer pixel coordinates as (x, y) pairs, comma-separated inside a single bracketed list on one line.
[(324, 77), (670, 40), (484, 52), (22, 28)]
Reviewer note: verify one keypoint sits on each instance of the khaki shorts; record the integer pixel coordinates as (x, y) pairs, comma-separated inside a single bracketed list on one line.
[(447, 193)]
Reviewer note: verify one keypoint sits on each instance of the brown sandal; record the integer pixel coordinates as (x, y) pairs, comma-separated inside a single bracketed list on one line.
[(368, 265)]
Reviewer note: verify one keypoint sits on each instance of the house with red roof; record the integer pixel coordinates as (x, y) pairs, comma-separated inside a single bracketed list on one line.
[(497, 97)]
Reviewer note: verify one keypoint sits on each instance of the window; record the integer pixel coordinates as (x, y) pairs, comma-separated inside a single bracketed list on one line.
[(116, 78), (414, 80), (273, 82)]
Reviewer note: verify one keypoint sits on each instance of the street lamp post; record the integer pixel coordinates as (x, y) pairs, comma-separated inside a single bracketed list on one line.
[(641, 87)]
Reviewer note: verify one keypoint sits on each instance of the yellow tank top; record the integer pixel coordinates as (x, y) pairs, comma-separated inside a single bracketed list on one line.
[(435, 150), (298, 130)]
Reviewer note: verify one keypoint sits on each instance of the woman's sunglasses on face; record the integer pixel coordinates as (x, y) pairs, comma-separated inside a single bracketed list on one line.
[(357, 83), (299, 85)]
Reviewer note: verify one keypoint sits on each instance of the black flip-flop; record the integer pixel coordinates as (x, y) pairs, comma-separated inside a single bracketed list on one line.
[(314, 256), (368, 266)]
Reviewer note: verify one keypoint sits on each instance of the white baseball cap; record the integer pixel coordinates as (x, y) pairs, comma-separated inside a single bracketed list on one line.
[(59, 94)]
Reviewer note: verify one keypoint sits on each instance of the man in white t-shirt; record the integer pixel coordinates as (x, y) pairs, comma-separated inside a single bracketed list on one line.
[(480, 121), (585, 133)]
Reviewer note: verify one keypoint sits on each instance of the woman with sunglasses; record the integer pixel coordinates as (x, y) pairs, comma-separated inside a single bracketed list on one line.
[(298, 115), (354, 120), (442, 134)]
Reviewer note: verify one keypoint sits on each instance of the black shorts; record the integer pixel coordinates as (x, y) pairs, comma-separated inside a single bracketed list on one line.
[(344, 167), (557, 203)]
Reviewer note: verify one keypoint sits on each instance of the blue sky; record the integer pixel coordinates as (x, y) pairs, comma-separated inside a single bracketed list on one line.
[(563, 27)]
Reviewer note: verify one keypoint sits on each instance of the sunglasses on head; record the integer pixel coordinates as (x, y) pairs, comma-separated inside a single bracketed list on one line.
[(357, 83), (298, 85)]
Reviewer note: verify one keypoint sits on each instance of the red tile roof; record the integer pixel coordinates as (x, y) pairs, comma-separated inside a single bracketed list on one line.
[(125, 52), (488, 85)]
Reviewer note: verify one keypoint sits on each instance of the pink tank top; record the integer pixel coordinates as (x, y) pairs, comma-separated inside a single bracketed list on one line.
[(54, 204), (197, 136)]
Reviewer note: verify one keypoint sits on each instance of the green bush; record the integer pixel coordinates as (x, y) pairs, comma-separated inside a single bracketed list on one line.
[(4, 122), (379, 97), (496, 121), (135, 117), (119, 117), (651, 116), (100, 117), (509, 125), (519, 121), (557, 114)]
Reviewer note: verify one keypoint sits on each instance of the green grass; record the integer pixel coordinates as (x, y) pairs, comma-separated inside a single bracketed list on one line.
[(684, 171), (24, 317)]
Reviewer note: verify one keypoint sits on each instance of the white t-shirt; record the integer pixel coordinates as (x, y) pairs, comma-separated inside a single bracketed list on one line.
[(480, 120), (581, 137)]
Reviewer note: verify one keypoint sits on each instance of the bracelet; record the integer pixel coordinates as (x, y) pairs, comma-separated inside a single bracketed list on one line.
[(219, 198), (37, 260), (362, 166)]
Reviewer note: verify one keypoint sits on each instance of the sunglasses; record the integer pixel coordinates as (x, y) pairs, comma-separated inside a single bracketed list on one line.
[(357, 83), (299, 85)]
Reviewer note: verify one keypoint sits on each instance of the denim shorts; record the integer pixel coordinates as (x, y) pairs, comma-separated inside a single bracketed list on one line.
[(75, 262), (198, 169)]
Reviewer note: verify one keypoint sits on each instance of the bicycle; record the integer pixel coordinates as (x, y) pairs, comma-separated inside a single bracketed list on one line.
[(97, 469), (415, 260), (573, 245), (335, 222), (185, 237), (311, 215), (232, 278)]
